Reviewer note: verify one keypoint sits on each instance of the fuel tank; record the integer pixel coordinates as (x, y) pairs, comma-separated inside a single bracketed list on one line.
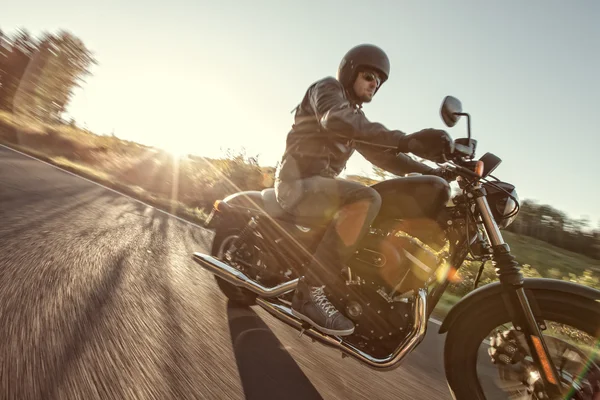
[(422, 196)]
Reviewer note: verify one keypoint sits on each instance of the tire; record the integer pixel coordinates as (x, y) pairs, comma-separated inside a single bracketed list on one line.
[(237, 296), (462, 343)]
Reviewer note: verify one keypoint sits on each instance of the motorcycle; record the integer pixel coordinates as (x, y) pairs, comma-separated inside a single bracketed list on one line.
[(414, 249)]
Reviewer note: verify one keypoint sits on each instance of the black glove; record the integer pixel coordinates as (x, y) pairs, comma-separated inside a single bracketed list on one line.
[(431, 144), (443, 172)]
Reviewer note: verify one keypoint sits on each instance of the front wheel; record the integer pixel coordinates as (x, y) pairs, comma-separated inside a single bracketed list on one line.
[(572, 327)]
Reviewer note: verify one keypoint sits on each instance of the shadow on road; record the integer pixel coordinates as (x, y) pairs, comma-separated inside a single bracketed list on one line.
[(266, 369), (96, 305), (47, 215)]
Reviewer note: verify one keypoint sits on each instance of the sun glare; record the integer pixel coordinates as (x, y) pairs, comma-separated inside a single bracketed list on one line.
[(177, 150)]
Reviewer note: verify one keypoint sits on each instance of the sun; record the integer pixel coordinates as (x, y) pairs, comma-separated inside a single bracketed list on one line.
[(176, 150)]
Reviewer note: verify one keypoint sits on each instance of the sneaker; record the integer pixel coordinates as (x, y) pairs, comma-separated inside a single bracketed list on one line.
[(311, 305)]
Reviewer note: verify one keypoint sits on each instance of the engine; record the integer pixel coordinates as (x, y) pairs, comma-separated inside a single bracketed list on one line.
[(377, 287), (394, 261), (379, 322), (380, 281)]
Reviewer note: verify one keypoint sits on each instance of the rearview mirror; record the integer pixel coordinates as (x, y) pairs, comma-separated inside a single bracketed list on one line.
[(450, 107)]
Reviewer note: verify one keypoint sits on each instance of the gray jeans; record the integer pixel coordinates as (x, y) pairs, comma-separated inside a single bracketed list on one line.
[(333, 200)]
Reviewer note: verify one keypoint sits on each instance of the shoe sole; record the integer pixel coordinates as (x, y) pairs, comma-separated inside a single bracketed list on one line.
[(320, 328)]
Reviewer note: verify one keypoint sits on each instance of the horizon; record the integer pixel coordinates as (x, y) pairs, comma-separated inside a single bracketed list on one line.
[(527, 74)]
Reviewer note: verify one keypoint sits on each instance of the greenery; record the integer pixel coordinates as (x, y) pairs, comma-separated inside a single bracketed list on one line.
[(537, 259), (186, 186), (550, 225)]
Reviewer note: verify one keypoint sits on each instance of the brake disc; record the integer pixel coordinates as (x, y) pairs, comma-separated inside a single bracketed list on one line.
[(520, 378)]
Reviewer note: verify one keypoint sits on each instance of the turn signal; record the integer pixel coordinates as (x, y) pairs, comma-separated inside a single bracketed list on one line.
[(539, 348), (216, 205), (479, 168)]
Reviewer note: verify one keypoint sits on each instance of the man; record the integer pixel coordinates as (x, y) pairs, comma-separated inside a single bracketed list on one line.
[(329, 126)]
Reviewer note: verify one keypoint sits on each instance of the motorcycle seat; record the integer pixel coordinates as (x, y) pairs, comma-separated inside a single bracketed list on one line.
[(273, 209)]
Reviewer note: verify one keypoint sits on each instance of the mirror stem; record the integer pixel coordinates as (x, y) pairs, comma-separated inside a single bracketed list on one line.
[(468, 123)]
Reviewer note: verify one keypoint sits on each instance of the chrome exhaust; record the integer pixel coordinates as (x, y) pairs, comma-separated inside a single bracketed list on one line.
[(412, 340), (238, 278)]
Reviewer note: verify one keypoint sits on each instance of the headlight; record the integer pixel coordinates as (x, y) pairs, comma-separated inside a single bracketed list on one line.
[(510, 212), (503, 206)]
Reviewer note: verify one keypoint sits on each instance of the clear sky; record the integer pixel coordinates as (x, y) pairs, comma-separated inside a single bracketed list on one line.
[(202, 76)]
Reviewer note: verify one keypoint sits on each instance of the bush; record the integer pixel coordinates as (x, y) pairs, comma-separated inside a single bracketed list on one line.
[(468, 272)]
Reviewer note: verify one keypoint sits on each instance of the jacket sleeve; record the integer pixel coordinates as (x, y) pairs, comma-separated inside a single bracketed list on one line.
[(398, 164), (336, 114)]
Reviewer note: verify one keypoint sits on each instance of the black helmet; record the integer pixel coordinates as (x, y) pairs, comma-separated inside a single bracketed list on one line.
[(363, 56)]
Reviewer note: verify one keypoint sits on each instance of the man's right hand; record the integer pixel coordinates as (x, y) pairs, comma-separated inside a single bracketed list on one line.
[(431, 144)]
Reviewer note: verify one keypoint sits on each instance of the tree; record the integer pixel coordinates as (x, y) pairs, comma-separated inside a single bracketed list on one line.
[(15, 55), (546, 223), (38, 77)]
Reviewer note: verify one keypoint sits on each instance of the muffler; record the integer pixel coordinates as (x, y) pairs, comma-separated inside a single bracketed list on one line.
[(392, 361), (238, 278)]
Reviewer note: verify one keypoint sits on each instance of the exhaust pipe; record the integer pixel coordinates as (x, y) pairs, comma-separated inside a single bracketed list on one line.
[(412, 340), (238, 278)]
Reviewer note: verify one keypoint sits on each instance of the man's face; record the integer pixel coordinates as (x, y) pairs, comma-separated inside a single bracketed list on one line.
[(365, 85)]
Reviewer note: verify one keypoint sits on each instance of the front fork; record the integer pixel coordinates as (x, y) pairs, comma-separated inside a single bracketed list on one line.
[(515, 299)]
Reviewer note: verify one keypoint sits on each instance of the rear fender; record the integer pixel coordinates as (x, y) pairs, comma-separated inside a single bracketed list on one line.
[(250, 200), (480, 296), (235, 208)]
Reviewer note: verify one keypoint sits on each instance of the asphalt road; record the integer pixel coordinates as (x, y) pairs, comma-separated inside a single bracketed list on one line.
[(99, 299)]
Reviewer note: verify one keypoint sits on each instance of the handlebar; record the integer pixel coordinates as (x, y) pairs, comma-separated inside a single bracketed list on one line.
[(462, 147)]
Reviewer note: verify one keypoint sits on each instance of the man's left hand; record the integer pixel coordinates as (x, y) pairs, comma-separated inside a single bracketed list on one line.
[(445, 173)]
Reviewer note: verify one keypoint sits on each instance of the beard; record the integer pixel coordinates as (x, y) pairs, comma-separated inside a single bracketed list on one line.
[(366, 98)]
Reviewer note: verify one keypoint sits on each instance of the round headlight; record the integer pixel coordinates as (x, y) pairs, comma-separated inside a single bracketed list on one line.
[(504, 208), (508, 212)]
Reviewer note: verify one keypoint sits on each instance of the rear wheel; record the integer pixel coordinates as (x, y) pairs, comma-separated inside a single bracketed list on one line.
[(572, 327), (236, 295)]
